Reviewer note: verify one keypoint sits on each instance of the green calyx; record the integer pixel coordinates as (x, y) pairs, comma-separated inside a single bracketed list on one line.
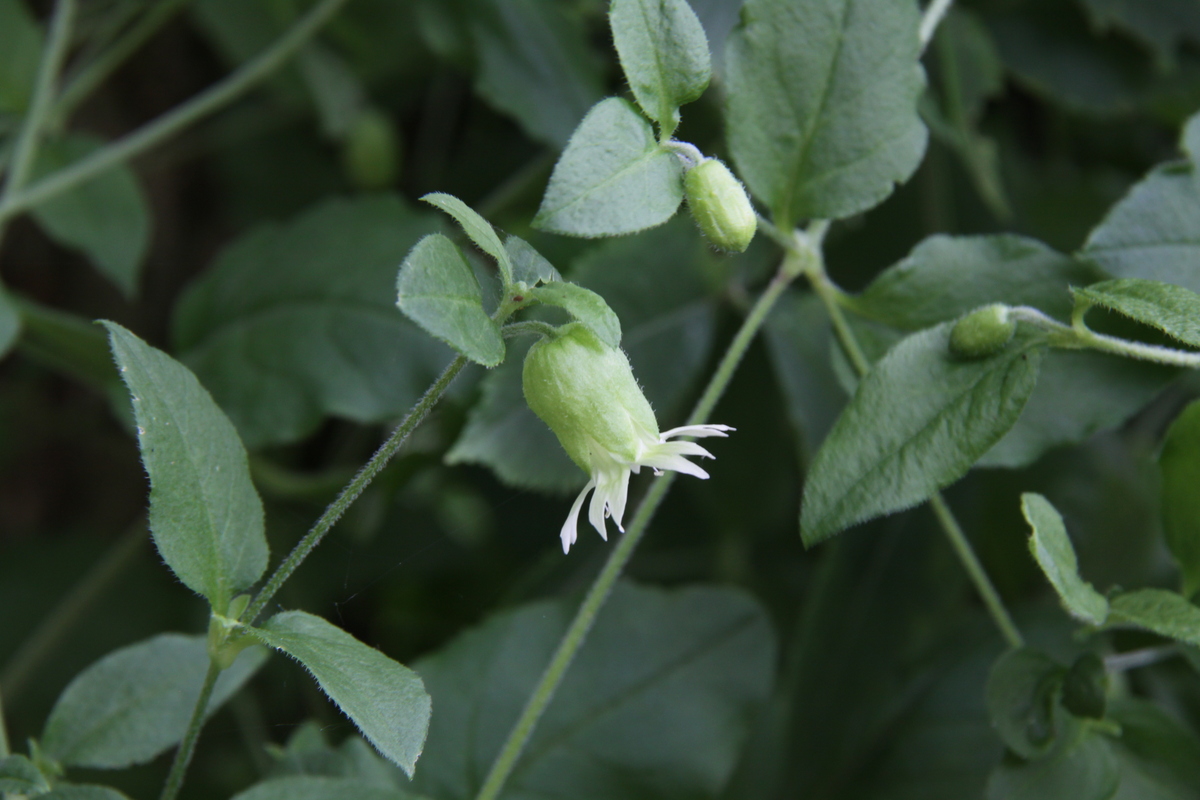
[(585, 391), (720, 206), (983, 332)]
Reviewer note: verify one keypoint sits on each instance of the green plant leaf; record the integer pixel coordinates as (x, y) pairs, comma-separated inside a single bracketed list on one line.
[(81, 791), (613, 178), (1051, 548), (20, 52), (1022, 694), (106, 217), (664, 54), (384, 698), (438, 290), (822, 112), (529, 266), (17, 773), (10, 323), (585, 306), (479, 229), (135, 702), (1154, 231), (1165, 613), (657, 702), (918, 421), (205, 515), (535, 63), (1179, 463), (1084, 770), (312, 787), (1172, 309), (296, 321), (1159, 756), (1162, 25)]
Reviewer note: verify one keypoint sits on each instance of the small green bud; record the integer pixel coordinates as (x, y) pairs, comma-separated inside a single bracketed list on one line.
[(983, 332), (371, 152), (1085, 688), (719, 205), (226, 635)]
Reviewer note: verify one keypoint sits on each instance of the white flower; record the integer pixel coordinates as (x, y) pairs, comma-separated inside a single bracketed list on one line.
[(585, 391)]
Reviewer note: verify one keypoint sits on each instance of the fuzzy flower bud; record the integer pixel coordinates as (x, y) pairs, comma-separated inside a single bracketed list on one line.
[(585, 391), (719, 205), (983, 332)]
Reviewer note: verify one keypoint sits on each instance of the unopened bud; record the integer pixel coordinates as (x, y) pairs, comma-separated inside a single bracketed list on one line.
[(983, 332), (371, 152), (719, 205)]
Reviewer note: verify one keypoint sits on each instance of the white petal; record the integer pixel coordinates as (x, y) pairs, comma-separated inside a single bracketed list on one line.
[(681, 449), (677, 463), (699, 431), (617, 498), (596, 510), (571, 526)]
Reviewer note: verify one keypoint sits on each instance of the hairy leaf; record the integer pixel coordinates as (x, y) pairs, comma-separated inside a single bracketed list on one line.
[(479, 229), (1022, 700), (585, 306), (1172, 309), (1165, 613), (1051, 548)]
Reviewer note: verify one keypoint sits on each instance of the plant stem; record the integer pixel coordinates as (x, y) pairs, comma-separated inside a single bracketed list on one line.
[(1138, 350), (983, 584), (183, 755), (930, 20), (622, 551), (152, 133), (829, 295), (25, 150), (3, 730), (95, 73), (353, 489), (56, 625), (1120, 662)]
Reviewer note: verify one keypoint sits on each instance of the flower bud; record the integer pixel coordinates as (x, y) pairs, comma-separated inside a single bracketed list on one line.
[(983, 332), (719, 205), (370, 153)]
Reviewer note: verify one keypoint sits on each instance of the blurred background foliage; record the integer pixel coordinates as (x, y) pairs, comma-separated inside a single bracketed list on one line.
[(261, 247)]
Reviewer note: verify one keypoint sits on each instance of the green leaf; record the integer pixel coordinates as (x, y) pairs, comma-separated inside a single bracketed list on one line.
[(205, 515), (385, 699), (1172, 309), (535, 63), (296, 321), (1179, 463), (1051, 548), (1086, 770), (822, 110), (652, 282), (1159, 756), (1161, 25), (1165, 613), (74, 791), (438, 290), (585, 306), (311, 787), (613, 178), (1023, 692), (657, 702), (307, 753), (10, 323), (106, 217), (17, 773), (20, 53), (664, 54), (1154, 231), (918, 421), (529, 266), (946, 276), (135, 702), (479, 229), (337, 93)]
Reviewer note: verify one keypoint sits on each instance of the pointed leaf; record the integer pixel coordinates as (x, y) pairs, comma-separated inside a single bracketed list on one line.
[(1051, 548), (313, 787), (135, 702), (529, 265), (18, 775), (664, 54), (1180, 467), (1172, 309), (385, 699), (613, 178), (479, 229), (822, 111), (918, 421), (585, 306), (205, 515), (1165, 613), (106, 217), (438, 290)]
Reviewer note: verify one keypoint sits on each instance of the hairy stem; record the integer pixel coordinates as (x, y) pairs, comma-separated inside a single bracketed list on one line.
[(622, 551), (56, 625), (164, 127), (187, 746), (353, 489)]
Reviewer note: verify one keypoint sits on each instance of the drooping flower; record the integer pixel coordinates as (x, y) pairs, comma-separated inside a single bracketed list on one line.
[(585, 391)]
